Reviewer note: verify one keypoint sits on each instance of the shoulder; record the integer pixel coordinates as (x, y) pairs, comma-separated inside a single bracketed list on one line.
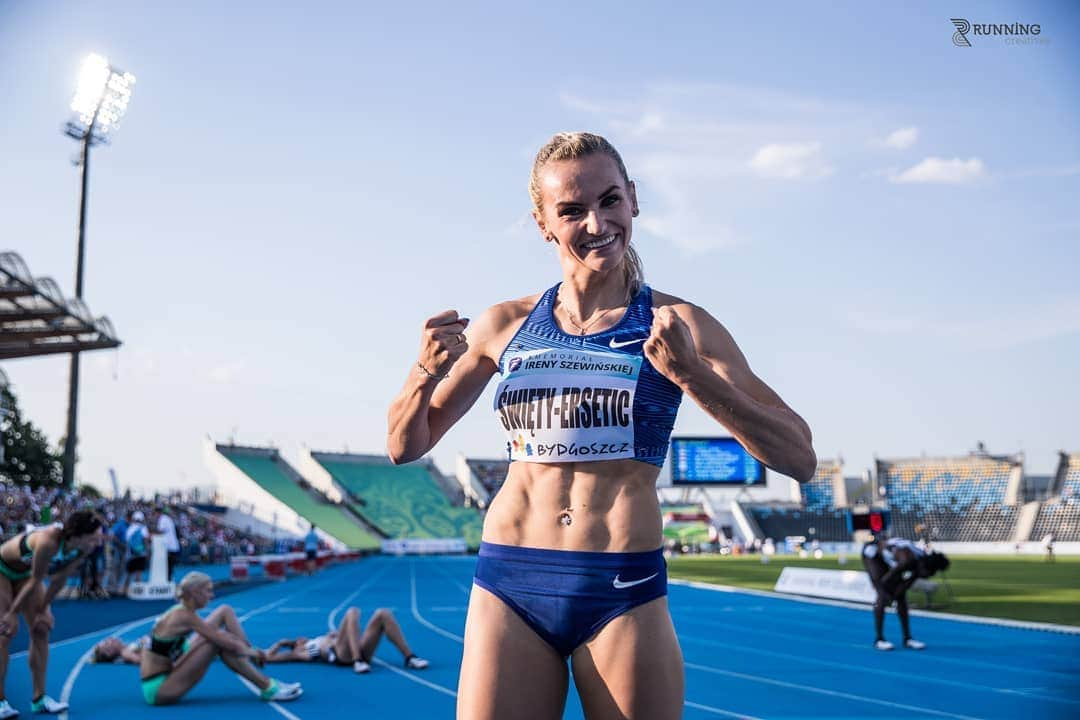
[(709, 333), (502, 314), (490, 331), (44, 539)]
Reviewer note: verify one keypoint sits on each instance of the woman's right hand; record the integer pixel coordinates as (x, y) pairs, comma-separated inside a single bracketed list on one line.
[(442, 343), (9, 624)]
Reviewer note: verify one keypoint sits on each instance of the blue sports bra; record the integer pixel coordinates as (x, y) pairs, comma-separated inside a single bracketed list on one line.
[(580, 398)]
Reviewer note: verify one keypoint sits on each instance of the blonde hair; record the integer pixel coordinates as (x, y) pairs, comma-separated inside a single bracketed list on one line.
[(191, 581), (571, 146)]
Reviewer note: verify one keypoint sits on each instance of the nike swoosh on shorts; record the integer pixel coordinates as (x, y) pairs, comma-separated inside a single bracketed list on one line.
[(619, 584), (615, 344)]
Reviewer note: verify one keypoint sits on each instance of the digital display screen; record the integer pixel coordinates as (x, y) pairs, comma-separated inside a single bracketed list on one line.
[(875, 521), (713, 461)]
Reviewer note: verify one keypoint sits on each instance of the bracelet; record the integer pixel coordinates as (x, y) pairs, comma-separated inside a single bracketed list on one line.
[(423, 370)]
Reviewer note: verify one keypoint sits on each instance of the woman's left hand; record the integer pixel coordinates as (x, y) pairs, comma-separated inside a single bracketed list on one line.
[(670, 346)]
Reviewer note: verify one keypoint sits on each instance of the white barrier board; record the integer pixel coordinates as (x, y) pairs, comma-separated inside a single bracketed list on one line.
[(853, 585), (425, 546), (159, 587)]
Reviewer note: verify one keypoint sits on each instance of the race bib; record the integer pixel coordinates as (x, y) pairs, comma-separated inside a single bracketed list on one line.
[(568, 405)]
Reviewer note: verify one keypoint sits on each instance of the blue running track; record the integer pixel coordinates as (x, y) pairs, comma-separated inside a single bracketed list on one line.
[(747, 656)]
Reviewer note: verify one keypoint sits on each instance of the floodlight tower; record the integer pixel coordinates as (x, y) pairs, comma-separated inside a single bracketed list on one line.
[(101, 99)]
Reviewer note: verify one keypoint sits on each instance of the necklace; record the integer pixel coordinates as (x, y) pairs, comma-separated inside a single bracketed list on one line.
[(584, 328)]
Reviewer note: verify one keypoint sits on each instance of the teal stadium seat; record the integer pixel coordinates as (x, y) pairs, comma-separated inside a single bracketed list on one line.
[(403, 501), (275, 479)]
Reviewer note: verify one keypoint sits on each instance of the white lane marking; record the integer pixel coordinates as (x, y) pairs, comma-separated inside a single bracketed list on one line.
[(973, 619), (699, 706), (822, 691), (251, 686), (917, 677), (414, 678), (69, 682), (331, 623), (416, 611), (462, 588), (685, 618), (718, 711)]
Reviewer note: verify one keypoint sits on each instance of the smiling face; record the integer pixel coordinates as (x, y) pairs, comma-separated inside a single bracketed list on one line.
[(586, 206)]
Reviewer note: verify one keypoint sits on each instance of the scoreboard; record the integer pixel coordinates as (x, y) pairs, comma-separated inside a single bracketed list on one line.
[(713, 461)]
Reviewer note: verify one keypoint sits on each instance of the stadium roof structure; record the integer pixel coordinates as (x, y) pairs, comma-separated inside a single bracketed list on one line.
[(35, 319)]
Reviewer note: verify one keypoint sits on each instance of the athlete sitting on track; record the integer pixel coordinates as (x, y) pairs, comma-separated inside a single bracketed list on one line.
[(347, 645), (26, 560), (171, 665), (893, 566)]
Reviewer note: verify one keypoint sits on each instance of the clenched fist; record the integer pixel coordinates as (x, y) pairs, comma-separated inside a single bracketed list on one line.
[(670, 346), (442, 343)]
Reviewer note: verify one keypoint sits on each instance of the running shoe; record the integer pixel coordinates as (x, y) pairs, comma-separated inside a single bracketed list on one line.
[(913, 644), (415, 663), (6, 711), (47, 705), (281, 692), (883, 645), (361, 667)]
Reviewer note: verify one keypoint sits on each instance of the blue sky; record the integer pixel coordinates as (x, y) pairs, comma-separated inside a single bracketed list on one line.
[(881, 219)]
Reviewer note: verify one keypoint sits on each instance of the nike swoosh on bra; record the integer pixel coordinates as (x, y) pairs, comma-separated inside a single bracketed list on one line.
[(615, 344), (619, 584)]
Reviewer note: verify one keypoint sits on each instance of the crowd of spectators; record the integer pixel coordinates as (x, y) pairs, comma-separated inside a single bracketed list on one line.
[(195, 537)]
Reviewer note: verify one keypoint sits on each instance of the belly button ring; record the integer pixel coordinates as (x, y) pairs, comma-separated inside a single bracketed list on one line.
[(565, 518)]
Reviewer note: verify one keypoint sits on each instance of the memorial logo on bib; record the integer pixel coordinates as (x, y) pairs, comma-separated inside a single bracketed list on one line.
[(568, 405)]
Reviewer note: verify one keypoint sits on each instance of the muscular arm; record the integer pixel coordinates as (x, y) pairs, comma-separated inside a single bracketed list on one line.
[(426, 408), (720, 381)]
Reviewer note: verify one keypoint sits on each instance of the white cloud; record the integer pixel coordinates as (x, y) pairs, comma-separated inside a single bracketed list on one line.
[(1003, 328), (903, 138), (939, 170), (793, 161), (226, 374)]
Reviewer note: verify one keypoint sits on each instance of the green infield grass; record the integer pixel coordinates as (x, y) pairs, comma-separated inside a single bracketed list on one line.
[(1015, 587)]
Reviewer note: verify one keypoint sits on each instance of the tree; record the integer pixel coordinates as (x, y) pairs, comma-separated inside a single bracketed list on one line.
[(28, 459)]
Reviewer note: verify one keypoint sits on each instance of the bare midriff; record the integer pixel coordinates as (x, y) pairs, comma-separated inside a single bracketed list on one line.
[(606, 506)]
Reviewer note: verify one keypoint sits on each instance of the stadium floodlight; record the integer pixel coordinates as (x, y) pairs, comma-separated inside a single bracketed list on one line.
[(101, 99)]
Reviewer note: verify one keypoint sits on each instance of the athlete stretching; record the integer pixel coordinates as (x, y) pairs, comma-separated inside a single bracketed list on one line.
[(26, 560), (592, 372), (893, 566)]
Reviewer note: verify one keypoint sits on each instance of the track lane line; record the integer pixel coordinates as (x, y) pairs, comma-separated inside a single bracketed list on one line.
[(416, 614), (823, 691)]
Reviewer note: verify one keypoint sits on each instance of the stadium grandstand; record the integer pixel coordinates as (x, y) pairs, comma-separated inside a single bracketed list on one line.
[(973, 498), (480, 479), (413, 501), (818, 515), (260, 479), (1059, 515)]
